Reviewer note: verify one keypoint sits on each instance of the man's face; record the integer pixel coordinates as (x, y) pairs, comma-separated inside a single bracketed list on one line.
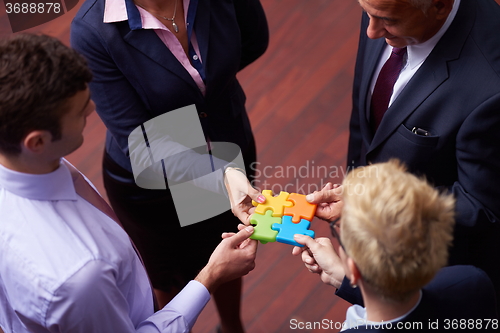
[(401, 24), (73, 122)]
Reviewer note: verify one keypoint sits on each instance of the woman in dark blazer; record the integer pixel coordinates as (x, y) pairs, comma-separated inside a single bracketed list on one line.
[(150, 57)]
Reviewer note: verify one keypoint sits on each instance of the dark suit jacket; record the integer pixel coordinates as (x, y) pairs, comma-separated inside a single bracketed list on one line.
[(137, 78), (455, 95), (455, 293)]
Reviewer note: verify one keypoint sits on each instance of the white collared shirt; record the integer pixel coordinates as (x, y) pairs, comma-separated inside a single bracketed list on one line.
[(67, 267), (116, 11), (356, 316), (416, 55)]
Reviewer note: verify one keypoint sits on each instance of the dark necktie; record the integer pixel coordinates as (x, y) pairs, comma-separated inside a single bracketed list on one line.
[(385, 83)]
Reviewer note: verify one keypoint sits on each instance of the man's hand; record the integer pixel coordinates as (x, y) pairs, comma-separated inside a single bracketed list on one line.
[(231, 259), (329, 201), (319, 257), (241, 193)]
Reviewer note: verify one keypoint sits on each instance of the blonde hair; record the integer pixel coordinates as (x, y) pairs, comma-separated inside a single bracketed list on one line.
[(396, 228)]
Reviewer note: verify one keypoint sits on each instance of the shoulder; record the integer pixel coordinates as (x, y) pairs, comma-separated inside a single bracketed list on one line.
[(91, 9), (461, 292), (44, 244), (88, 21), (482, 16), (452, 277)]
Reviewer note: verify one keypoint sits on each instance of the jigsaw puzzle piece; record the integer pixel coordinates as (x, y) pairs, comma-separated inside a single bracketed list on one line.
[(287, 229), (276, 204), (301, 208), (262, 227)]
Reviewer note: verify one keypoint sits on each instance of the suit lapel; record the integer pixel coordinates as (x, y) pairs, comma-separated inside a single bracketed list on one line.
[(202, 29), (432, 73), (147, 42), (373, 51), (417, 90)]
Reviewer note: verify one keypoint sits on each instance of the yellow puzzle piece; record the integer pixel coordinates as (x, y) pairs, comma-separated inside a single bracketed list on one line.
[(275, 203)]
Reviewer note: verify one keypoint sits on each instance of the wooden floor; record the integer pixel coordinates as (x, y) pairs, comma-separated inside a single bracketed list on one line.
[(298, 99)]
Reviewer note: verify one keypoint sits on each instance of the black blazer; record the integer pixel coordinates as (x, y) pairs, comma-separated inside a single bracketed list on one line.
[(137, 78), (456, 293)]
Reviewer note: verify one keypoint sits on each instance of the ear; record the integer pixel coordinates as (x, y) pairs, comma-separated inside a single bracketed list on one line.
[(36, 141), (442, 8), (350, 268), (353, 272)]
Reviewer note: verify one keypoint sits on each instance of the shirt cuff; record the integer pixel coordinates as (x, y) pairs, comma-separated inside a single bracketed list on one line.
[(190, 301)]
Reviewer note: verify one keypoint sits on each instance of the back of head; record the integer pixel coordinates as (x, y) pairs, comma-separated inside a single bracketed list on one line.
[(396, 227), (37, 76)]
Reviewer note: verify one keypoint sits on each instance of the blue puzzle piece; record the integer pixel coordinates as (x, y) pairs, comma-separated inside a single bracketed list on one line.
[(287, 229)]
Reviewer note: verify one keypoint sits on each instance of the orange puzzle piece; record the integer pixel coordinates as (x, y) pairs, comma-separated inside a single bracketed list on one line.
[(275, 203), (301, 209)]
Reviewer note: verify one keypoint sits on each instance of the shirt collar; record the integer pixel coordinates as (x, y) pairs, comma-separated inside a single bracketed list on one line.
[(57, 185), (418, 53), (122, 10), (356, 316)]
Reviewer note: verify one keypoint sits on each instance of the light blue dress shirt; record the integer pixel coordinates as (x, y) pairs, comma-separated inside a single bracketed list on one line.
[(67, 267)]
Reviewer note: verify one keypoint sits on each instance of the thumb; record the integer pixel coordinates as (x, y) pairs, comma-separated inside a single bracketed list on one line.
[(317, 197), (239, 237), (332, 195), (304, 240), (255, 195)]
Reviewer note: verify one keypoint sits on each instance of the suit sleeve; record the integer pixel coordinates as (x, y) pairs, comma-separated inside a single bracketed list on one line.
[(253, 29), (478, 156), (355, 138)]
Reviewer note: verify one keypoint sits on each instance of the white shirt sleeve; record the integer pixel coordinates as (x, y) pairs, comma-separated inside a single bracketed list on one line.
[(181, 313), (92, 300)]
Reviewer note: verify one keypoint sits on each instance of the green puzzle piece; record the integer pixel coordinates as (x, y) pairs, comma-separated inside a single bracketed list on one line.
[(262, 227)]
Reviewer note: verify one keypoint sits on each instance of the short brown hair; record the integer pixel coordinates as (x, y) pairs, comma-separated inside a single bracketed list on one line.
[(38, 74), (396, 227)]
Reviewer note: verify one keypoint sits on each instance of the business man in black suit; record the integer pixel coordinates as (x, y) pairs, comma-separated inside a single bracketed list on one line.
[(443, 120)]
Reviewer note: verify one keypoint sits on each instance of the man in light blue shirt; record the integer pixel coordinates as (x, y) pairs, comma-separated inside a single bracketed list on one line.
[(65, 264)]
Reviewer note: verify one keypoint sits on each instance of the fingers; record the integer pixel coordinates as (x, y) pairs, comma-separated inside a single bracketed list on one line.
[(304, 240), (242, 215), (328, 186), (297, 250), (325, 196), (227, 235), (314, 268), (239, 237), (307, 255), (250, 245), (255, 195)]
